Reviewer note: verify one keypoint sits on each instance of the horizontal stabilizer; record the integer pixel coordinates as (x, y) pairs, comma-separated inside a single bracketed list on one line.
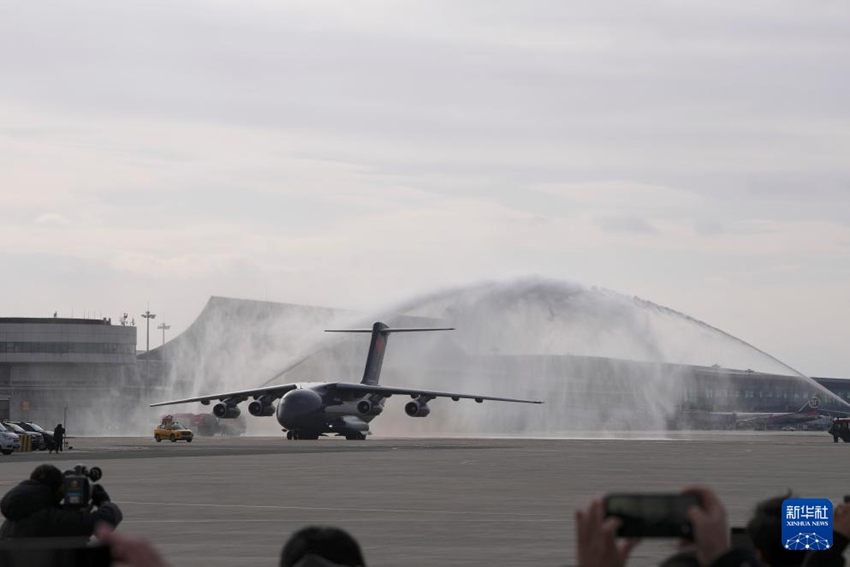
[(391, 330), (380, 335)]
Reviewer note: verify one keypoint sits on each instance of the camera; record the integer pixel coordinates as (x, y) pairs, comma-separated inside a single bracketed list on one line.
[(652, 515), (78, 485)]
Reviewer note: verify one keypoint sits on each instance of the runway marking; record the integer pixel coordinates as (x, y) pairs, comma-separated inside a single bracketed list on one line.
[(331, 509)]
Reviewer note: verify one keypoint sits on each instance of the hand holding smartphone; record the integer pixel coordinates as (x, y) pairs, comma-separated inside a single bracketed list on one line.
[(652, 515)]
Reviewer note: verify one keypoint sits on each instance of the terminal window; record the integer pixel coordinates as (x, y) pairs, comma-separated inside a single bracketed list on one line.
[(66, 348)]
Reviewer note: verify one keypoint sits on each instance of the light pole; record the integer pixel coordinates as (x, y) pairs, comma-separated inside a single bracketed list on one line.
[(164, 328), (148, 316)]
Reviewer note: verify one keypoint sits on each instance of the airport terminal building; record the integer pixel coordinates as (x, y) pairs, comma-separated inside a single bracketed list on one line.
[(89, 373), (52, 367)]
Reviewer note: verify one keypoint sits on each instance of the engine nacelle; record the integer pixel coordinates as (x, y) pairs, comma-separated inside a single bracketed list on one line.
[(416, 409), (226, 411), (368, 407), (261, 408)]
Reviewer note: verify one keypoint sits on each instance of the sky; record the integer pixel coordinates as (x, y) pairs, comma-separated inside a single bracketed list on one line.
[(356, 154)]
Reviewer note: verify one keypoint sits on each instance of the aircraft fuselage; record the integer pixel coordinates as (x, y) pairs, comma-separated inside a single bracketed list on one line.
[(311, 410)]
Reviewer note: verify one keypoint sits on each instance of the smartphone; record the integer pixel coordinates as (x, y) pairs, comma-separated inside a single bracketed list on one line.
[(741, 539), (652, 515), (47, 552)]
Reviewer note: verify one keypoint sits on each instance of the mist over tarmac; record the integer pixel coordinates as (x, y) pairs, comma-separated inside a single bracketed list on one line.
[(528, 338)]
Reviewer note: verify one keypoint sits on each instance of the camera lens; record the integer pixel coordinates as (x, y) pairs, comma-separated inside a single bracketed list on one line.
[(95, 473)]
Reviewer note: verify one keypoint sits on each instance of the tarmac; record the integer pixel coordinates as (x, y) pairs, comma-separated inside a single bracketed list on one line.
[(235, 501)]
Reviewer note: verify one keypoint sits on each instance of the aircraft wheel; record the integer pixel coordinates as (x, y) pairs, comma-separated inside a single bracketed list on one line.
[(355, 437), (172, 438), (289, 435), (157, 438)]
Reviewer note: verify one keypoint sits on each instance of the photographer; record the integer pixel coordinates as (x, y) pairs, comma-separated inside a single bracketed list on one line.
[(34, 508)]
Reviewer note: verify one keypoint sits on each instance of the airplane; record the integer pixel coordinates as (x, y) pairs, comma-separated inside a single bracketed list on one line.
[(309, 410), (758, 420), (808, 412)]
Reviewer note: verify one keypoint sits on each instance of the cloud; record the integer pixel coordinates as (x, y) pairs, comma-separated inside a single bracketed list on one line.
[(318, 149), (53, 219), (625, 223), (787, 268), (182, 266), (623, 194)]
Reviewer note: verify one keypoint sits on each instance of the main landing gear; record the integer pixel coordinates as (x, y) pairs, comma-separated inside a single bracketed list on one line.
[(295, 435)]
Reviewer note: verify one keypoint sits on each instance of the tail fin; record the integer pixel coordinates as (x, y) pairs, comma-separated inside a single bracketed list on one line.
[(375, 358), (810, 405)]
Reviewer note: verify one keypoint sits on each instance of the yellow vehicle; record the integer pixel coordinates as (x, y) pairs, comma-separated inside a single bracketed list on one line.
[(173, 431)]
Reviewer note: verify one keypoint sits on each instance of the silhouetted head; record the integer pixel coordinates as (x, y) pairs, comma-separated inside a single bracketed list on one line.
[(765, 529), (682, 559), (328, 543), (51, 477)]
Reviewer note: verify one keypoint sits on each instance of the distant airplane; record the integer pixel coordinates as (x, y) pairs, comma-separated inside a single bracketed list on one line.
[(311, 409), (808, 412)]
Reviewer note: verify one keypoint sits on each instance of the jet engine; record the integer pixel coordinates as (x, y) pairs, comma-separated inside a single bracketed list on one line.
[(416, 409), (226, 411), (368, 407), (262, 407)]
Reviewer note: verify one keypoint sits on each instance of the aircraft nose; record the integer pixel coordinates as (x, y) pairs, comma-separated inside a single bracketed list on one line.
[(296, 404)]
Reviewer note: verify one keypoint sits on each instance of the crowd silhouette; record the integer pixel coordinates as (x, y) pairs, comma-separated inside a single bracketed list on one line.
[(33, 509)]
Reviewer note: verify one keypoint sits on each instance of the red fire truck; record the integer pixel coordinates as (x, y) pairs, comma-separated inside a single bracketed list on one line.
[(208, 425)]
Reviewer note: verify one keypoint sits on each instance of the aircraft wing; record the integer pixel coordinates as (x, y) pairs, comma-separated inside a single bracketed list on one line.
[(387, 391), (238, 396)]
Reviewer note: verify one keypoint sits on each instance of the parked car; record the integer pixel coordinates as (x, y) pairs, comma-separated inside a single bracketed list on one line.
[(37, 440), (48, 435), (9, 440), (36, 428)]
